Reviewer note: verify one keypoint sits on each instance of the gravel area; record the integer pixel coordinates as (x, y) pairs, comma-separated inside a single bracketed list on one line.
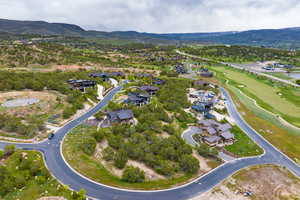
[(20, 102)]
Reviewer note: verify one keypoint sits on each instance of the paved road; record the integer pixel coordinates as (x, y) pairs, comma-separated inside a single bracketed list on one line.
[(187, 135), (243, 68), (57, 166)]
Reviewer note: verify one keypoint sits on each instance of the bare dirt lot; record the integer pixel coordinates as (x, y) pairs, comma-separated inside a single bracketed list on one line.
[(47, 102), (264, 182)]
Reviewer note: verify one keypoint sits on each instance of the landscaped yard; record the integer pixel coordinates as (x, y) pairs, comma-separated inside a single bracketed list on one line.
[(243, 145)]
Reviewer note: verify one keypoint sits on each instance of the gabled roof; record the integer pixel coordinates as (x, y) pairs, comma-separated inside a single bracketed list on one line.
[(224, 127), (149, 88), (200, 83), (125, 114), (120, 114), (212, 139), (227, 135), (211, 130)]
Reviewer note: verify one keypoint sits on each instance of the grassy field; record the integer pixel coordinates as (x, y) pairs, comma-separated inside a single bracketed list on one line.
[(92, 168), (285, 140), (280, 100), (43, 184), (280, 75), (243, 145)]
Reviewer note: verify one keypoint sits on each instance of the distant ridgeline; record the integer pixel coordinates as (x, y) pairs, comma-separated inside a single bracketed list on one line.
[(285, 38)]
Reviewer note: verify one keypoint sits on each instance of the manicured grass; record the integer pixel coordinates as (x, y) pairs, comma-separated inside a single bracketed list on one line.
[(267, 95), (280, 75), (33, 188), (279, 137), (90, 167), (243, 145)]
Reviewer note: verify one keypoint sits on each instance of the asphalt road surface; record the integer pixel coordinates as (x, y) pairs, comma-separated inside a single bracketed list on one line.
[(60, 170)]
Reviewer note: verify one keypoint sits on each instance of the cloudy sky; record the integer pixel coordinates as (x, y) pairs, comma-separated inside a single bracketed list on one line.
[(159, 16)]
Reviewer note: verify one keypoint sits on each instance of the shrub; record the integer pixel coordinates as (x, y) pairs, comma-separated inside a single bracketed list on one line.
[(189, 164), (9, 149), (108, 154), (98, 135), (120, 159), (206, 151), (88, 145), (133, 175)]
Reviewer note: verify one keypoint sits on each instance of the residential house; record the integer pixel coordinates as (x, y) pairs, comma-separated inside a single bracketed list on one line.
[(120, 116), (81, 84), (158, 81), (223, 127), (200, 83), (116, 74), (104, 76), (138, 99), (143, 75), (180, 69), (149, 89), (227, 136), (207, 74), (212, 140)]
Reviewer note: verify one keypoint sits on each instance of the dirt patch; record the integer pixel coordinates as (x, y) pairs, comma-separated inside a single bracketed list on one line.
[(47, 102), (150, 174), (204, 167), (52, 198), (71, 67), (264, 182)]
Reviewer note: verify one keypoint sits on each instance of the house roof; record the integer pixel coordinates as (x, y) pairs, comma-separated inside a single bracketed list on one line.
[(149, 88), (212, 139), (200, 82), (199, 107), (120, 114), (117, 74), (227, 135), (208, 122), (100, 75), (211, 130), (224, 127), (125, 114), (138, 97), (158, 81)]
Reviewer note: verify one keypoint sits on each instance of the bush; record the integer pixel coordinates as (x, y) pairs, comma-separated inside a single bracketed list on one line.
[(1, 154), (206, 151), (189, 164), (120, 159), (88, 145), (108, 154), (9, 149), (98, 135), (133, 175), (298, 81)]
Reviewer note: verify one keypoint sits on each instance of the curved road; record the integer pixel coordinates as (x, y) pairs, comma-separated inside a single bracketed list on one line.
[(60, 170)]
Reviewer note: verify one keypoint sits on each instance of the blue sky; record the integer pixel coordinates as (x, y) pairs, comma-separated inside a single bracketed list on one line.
[(159, 16)]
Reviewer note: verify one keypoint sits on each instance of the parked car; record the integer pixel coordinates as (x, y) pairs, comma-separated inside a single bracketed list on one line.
[(50, 136)]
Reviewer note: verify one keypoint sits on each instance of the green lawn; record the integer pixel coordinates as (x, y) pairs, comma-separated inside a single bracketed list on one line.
[(90, 167), (243, 145), (280, 75), (287, 104)]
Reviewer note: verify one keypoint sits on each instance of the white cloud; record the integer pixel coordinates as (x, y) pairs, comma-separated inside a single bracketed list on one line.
[(159, 15)]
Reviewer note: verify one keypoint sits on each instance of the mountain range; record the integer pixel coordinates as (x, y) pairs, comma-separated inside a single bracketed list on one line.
[(287, 37)]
